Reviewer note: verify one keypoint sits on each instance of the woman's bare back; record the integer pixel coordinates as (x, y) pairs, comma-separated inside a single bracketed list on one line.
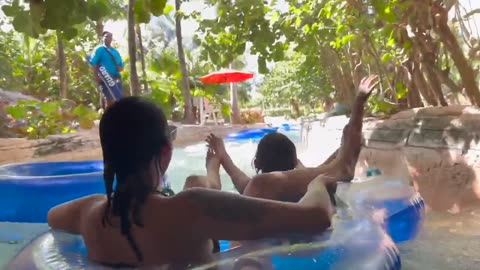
[(166, 237)]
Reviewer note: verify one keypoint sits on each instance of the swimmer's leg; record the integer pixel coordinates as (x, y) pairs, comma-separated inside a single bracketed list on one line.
[(212, 180)]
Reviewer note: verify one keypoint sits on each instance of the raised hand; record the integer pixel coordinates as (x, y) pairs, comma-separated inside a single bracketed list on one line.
[(217, 145), (367, 85)]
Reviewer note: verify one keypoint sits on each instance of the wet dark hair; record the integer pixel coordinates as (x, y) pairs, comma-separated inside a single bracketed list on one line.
[(275, 152), (133, 132)]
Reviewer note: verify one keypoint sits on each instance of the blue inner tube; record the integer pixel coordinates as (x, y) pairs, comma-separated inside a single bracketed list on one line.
[(399, 205), (256, 133), (358, 244), (29, 190), (288, 127), (407, 223)]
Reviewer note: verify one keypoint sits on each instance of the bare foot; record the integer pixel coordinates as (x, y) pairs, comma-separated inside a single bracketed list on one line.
[(212, 163), (217, 145)]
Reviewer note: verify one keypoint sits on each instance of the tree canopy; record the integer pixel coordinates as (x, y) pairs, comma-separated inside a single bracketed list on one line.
[(310, 52)]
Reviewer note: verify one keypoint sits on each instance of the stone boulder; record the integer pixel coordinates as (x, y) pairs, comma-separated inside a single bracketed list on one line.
[(437, 149)]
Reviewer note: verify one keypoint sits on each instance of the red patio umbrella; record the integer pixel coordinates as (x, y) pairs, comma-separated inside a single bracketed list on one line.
[(229, 76), (226, 76)]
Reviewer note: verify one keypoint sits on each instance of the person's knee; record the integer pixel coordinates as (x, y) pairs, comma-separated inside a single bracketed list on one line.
[(194, 181)]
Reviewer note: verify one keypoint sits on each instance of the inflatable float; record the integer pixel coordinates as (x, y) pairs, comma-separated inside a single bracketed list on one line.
[(393, 202), (289, 127), (374, 212), (358, 244), (29, 190), (255, 133)]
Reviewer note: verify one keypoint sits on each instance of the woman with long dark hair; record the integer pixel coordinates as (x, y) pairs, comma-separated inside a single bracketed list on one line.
[(139, 222)]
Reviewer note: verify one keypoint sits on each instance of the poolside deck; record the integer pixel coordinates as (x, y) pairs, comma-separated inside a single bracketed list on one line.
[(85, 144)]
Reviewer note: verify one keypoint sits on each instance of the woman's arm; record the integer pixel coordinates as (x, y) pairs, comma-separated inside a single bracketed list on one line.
[(239, 178), (67, 216), (223, 215)]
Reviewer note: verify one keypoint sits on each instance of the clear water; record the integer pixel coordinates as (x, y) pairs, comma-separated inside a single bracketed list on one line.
[(191, 160)]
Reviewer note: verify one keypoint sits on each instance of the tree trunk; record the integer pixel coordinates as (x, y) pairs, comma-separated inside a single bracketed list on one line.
[(413, 95), (451, 44), (343, 90), (295, 108), (188, 116), (132, 51), (142, 58), (446, 80), (421, 85), (62, 65), (235, 117), (99, 26), (433, 81)]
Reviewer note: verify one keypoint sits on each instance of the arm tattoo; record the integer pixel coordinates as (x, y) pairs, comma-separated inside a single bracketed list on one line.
[(229, 207)]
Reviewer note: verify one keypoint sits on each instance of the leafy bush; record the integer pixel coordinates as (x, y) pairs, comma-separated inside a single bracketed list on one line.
[(279, 112), (37, 119), (251, 116)]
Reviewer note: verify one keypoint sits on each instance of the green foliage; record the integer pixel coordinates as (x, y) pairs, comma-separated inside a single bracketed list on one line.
[(164, 77), (278, 112), (251, 116), (289, 81), (225, 38), (30, 65), (145, 8), (36, 119), (338, 40), (34, 18)]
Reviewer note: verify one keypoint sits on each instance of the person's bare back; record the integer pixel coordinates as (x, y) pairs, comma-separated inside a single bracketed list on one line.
[(164, 239)]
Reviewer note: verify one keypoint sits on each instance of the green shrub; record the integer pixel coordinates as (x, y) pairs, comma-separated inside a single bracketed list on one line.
[(279, 112), (38, 119), (251, 116)]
